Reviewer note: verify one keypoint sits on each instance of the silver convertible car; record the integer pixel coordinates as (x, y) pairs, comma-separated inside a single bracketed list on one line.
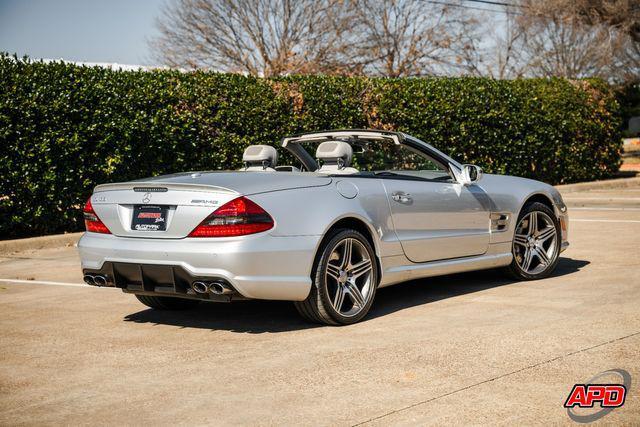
[(355, 210)]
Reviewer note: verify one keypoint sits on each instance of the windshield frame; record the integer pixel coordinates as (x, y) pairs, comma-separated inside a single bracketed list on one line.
[(293, 145)]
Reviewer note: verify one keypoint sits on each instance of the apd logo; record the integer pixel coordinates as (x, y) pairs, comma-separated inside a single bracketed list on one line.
[(607, 396)]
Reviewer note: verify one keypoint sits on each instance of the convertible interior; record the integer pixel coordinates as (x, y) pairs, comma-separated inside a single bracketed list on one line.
[(356, 156), (332, 157)]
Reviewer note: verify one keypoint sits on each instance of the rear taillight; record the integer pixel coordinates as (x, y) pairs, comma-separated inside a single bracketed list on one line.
[(91, 220), (239, 217)]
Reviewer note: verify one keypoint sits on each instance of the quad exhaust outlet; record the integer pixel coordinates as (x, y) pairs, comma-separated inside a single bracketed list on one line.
[(100, 280), (200, 287), (95, 280), (220, 288), (216, 288)]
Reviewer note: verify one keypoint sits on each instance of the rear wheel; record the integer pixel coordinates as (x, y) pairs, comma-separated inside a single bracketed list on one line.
[(345, 278), (167, 303), (536, 243)]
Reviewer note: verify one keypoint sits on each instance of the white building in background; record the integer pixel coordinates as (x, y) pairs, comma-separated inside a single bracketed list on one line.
[(110, 65), (634, 125)]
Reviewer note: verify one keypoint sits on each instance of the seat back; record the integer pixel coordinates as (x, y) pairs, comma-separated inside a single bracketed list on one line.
[(260, 158), (336, 157)]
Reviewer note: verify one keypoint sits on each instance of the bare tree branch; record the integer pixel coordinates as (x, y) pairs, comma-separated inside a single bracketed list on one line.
[(398, 38), (259, 37), (579, 38)]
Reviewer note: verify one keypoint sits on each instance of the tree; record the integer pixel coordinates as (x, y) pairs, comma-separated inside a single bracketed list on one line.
[(258, 37), (579, 38), (623, 18), (501, 56), (390, 38), (563, 38), (621, 14), (399, 38)]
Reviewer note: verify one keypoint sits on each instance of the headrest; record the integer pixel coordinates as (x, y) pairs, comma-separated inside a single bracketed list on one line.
[(335, 152), (260, 155)]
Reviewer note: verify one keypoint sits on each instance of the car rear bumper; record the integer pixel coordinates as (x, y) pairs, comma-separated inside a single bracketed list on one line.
[(258, 266), (160, 280)]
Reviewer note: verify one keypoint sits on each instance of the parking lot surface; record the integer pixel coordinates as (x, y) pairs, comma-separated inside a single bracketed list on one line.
[(475, 348)]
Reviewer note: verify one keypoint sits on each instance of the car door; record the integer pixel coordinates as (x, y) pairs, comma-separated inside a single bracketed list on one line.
[(438, 220), (434, 216)]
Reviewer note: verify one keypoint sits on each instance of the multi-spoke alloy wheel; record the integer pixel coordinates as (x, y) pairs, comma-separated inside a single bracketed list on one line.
[(348, 277), (535, 243), (345, 280)]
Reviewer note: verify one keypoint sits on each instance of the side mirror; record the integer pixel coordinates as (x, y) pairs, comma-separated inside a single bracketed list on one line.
[(471, 174)]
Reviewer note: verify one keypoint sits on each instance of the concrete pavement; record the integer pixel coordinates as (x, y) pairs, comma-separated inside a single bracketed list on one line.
[(476, 348)]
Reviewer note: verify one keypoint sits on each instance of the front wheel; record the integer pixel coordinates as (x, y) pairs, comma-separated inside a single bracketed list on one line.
[(345, 278), (536, 243)]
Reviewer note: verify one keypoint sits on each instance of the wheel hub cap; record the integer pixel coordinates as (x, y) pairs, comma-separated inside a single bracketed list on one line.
[(342, 278)]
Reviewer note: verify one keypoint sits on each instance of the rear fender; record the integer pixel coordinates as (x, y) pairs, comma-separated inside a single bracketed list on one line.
[(313, 211)]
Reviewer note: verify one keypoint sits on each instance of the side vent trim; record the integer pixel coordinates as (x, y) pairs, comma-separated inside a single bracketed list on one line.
[(499, 221)]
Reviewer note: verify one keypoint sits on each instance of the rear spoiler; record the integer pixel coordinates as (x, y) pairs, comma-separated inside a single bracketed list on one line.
[(160, 187)]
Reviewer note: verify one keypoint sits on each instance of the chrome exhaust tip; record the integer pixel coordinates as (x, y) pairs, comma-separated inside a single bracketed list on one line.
[(219, 288), (200, 287), (89, 280), (100, 280)]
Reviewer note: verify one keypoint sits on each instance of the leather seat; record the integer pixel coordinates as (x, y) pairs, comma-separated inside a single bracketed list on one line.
[(336, 158), (260, 158)]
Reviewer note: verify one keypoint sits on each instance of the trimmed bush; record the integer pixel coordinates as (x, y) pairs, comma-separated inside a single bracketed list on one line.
[(66, 128)]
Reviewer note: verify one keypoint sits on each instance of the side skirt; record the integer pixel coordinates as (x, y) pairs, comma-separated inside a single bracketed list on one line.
[(399, 269)]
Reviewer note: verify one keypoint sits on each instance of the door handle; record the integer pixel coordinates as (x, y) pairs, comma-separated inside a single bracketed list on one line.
[(402, 197)]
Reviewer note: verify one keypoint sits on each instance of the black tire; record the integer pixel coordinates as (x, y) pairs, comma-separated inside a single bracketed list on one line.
[(514, 269), (317, 307), (167, 303)]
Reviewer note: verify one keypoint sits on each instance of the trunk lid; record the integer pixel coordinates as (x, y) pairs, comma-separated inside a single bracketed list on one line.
[(182, 201)]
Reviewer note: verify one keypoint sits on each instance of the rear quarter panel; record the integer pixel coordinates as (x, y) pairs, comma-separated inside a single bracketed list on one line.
[(312, 211)]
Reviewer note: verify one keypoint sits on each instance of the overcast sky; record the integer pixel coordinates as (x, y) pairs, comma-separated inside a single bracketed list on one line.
[(80, 30)]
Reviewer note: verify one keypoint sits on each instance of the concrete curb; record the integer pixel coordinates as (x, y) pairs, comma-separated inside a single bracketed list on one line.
[(55, 241), (599, 185)]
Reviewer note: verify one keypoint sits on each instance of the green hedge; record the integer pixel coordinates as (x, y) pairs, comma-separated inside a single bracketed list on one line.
[(66, 128)]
